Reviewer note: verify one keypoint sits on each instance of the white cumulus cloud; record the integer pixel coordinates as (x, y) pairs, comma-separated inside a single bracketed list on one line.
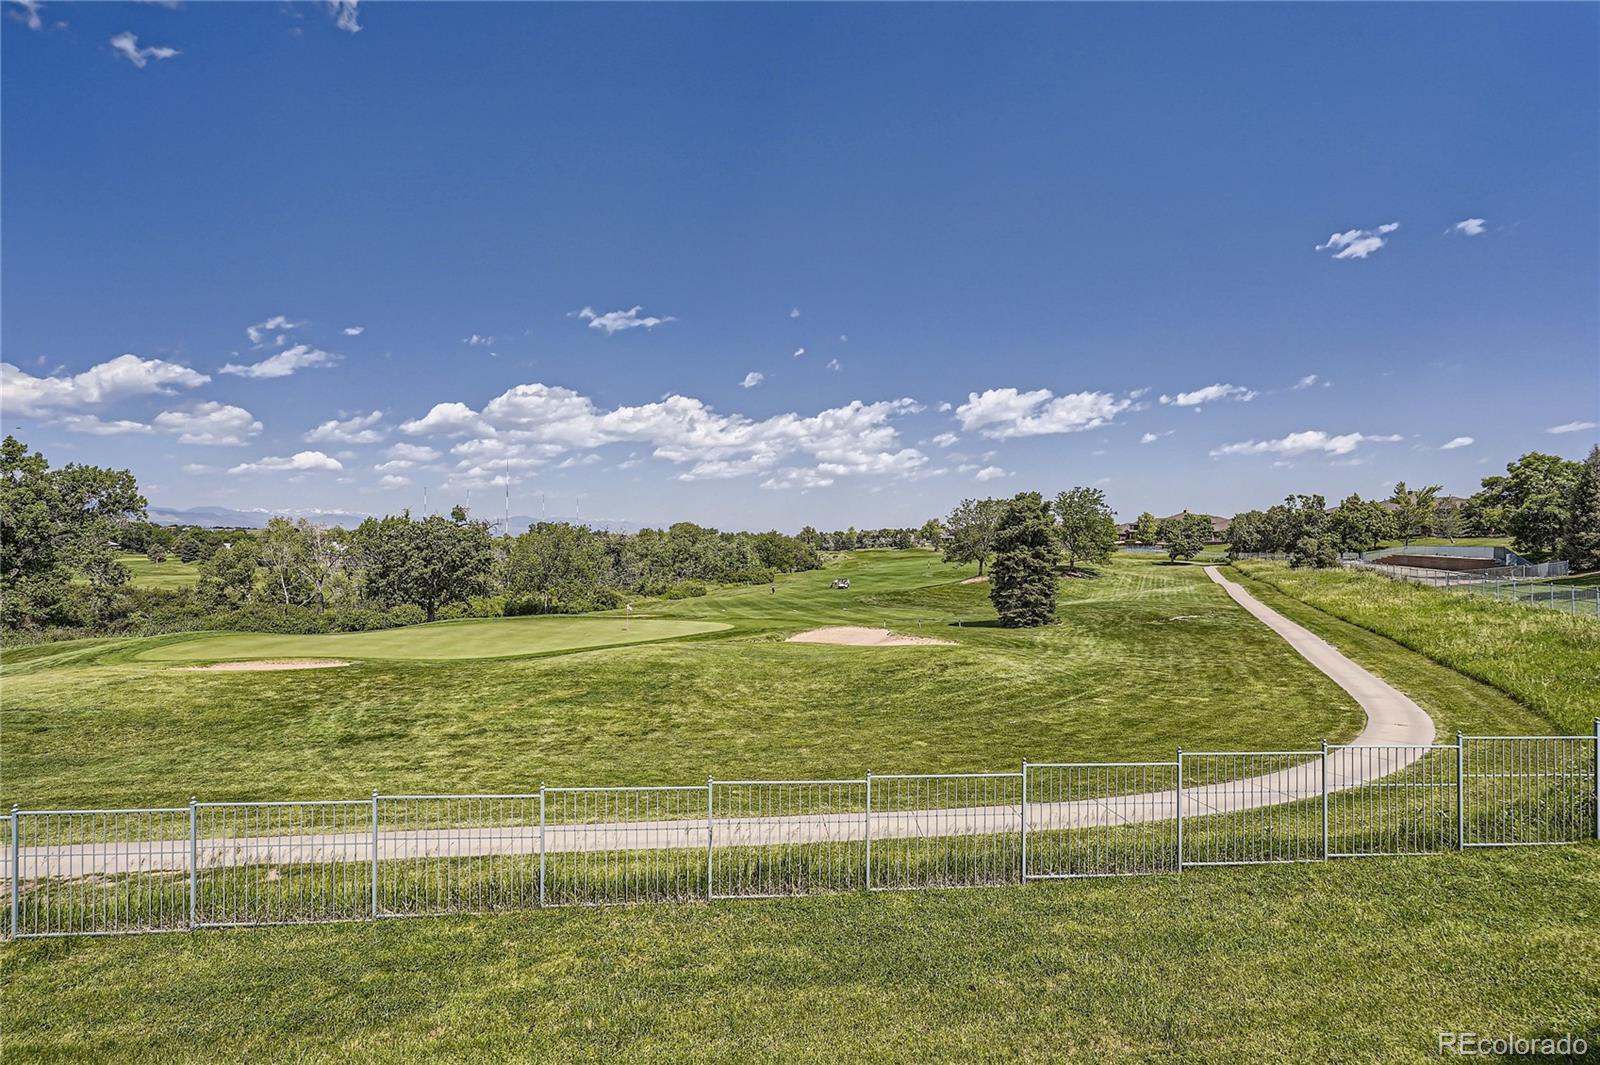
[(946, 439), (1002, 413), (209, 424), (127, 45), (360, 429), (277, 323), (27, 13), (283, 363), (299, 461), (1150, 438), (354, 330), (1358, 243), (346, 14), (616, 321), (1460, 441), (752, 379), (1210, 394), (95, 425), (1307, 442), (107, 382), (1470, 227), (1570, 427), (1306, 382), (990, 473)]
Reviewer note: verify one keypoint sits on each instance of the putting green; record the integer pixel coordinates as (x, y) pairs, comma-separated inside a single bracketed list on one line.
[(477, 638)]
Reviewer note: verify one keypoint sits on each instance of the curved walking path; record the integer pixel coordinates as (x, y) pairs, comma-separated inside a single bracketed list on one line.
[(1396, 735)]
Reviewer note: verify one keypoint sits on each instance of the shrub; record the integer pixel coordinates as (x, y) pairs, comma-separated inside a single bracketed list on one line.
[(685, 590), (407, 614)]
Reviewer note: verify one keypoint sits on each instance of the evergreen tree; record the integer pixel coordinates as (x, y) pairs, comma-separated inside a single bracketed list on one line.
[(1022, 581)]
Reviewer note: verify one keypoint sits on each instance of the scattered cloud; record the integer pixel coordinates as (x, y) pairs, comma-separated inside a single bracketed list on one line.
[(799, 352), (1469, 227), (1358, 243), (946, 439), (1307, 381), (835, 365), (361, 429), (1150, 438), (393, 480), (127, 45), (1570, 427), (536, 423), (198, 467), (276, 323), (93, 424), (989, 473), (1210, 394), (1460, 441), (354, 330), (346, 14), (446, 419), (794, 312), (118, 378), (477, 341), (27, 13), (412, 453), (945, 408), (1308, 442), (283, 363), (300, 461), (209, 424), (572, 461), (616, 321), (1002, 413), (752, 379)]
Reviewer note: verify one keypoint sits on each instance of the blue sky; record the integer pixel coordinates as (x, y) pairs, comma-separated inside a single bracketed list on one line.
[(774, 265)]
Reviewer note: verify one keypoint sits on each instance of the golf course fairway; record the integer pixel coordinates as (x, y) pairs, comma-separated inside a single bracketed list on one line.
[(472, 638)]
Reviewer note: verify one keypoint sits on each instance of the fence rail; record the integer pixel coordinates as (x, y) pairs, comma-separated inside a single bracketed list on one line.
[(1508, 584), (214, 864)]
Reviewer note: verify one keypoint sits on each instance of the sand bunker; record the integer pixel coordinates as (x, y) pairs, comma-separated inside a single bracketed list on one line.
[(858, 636), (977, 580), (265, 664)]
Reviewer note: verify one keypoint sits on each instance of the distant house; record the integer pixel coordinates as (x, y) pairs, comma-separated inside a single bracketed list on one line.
[(1219, 527)]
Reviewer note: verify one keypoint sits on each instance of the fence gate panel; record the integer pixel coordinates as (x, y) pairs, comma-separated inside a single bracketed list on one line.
[(1101, 819), (97, 872), (619, 845), (787, 837), (456, 853), (1529, 790), (1391, 799), (1251, 807), (943, 830), (283, 862)]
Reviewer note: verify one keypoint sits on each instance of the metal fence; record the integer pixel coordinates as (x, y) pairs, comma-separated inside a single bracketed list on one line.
[(105, 872), (1506, 584)]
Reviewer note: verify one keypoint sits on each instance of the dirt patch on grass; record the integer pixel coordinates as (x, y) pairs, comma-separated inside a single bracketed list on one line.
[(860, 636), (977, 580), (266, 664)]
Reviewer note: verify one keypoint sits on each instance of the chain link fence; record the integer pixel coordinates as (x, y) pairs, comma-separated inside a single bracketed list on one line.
[(108, 872)]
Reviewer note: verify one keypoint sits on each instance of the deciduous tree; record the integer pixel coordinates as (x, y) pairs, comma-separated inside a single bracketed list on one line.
[(1084, 526)]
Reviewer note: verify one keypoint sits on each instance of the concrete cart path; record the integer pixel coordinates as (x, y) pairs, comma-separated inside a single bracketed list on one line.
[(1396, 735)]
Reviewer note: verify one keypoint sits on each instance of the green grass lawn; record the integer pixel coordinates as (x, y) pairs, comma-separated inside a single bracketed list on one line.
[(1146, 657), (1546, 660), (173, 573), (1357, 961), (476, 638)]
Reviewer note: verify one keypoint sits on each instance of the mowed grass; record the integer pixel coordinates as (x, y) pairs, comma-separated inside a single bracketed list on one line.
[(476, 638), (1545, 659), (1358, 961), (1146, 657), (172, 573)]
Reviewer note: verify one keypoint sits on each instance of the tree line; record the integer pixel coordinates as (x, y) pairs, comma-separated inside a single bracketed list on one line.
[(61, 531), (1547, 506)]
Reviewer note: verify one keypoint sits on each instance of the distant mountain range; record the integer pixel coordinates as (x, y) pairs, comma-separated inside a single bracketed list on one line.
[(228, 518)]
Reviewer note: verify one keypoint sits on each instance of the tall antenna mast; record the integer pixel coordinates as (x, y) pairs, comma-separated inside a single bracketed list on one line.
[(424, 501), (508, 497)]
